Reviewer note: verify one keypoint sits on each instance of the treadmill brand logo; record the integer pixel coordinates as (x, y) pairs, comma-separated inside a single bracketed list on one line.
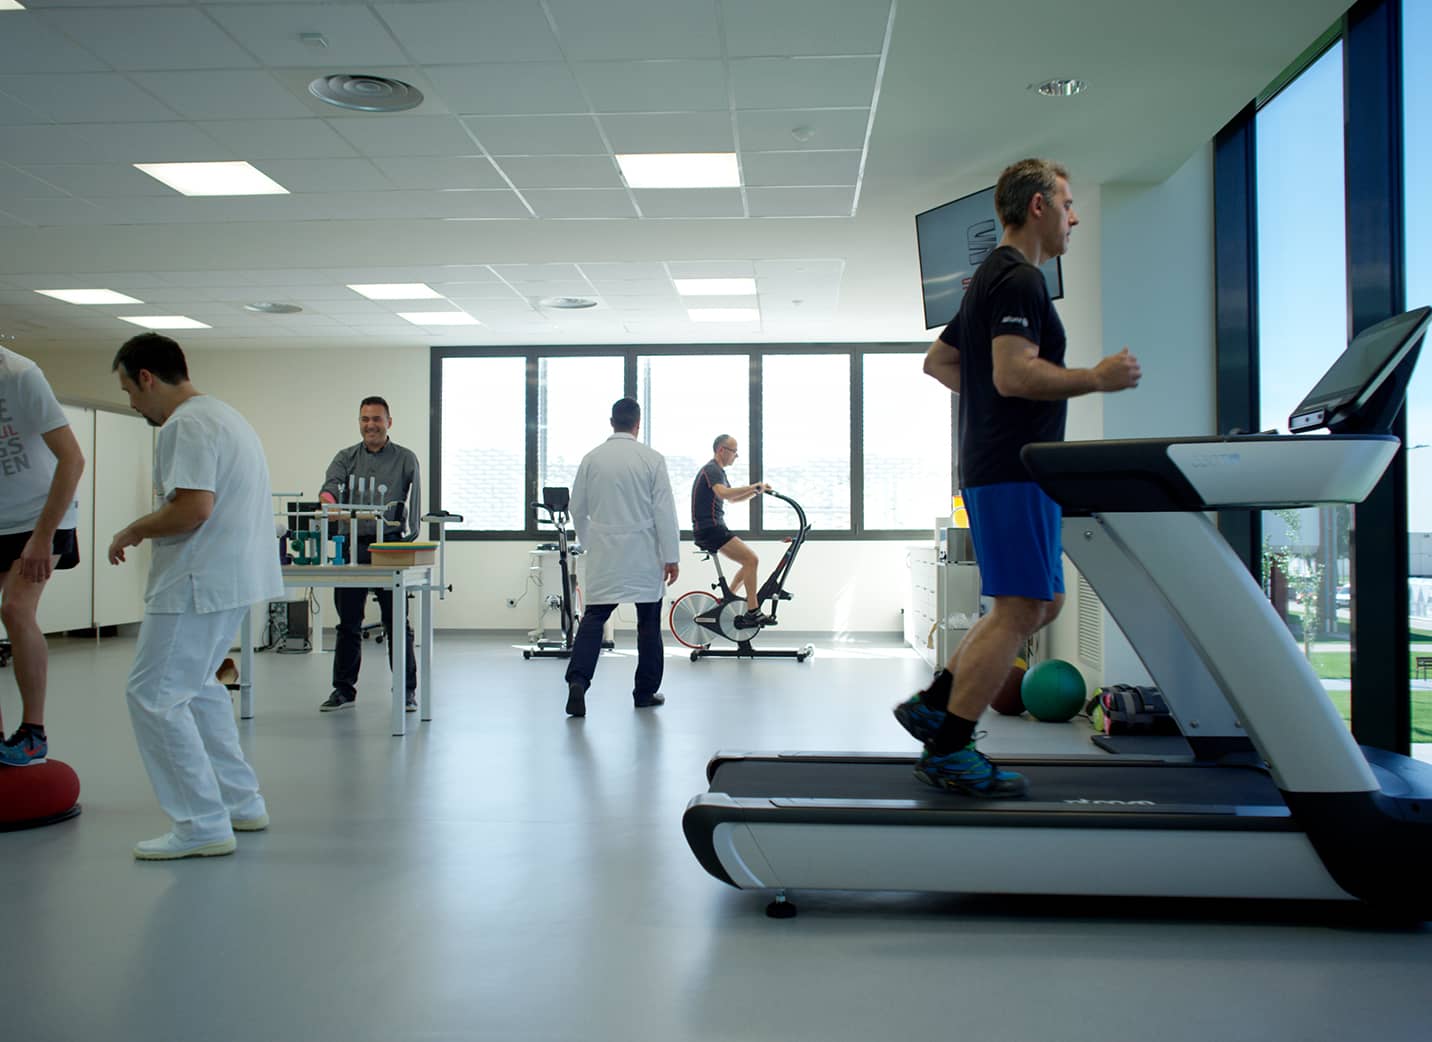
[(1215, 459), (1113, 803)]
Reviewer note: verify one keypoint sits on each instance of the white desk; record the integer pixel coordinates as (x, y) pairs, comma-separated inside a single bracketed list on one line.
[(401, 581)]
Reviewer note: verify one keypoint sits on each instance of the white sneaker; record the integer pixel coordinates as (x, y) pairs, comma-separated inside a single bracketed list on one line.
[(170, 847), (257, 824)]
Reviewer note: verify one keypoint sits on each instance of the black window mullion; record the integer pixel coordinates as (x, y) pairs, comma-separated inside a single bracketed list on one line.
[(1372, 52), (857, 442), (1235, 251), (533, 492), (756, 448)]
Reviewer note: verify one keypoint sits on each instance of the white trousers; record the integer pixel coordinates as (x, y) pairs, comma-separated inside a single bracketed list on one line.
[(184, 723)]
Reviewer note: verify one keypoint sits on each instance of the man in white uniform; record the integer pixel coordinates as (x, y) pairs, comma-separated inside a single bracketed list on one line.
[(213, 556), (40, 468), (625, 518)]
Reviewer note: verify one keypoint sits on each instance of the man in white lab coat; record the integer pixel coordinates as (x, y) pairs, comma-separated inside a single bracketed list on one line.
[(625, 518)]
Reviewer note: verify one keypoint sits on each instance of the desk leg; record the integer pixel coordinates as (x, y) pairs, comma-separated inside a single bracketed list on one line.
[(246, 666), (425, 674), (315, 641), (399, 647)]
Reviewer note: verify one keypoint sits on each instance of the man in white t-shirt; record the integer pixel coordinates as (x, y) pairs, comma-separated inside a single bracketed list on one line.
[(213, 555), (40, 468)]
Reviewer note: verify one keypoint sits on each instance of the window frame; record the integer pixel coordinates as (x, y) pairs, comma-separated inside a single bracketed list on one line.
[(757, 353)]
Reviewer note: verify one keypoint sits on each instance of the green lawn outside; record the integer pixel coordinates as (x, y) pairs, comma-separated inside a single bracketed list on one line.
[(1337, 665), (1421, 712)]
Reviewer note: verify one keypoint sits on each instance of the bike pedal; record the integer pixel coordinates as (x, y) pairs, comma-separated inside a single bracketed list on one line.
[(784, 595)]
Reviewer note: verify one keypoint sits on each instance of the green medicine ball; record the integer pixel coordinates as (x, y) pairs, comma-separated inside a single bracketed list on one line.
[(1053, 691)]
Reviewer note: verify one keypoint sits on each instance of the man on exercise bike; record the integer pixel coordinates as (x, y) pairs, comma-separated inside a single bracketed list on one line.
[(710, 493)]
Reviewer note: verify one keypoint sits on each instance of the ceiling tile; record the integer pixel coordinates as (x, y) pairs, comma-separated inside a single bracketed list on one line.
[(654, 86), (800, 202), (799, 168), (538, 135), (644, 289), (782, 27), (562, 171), (280, 138), (513, 273), (670, 132), (326, 175), (102, 142), (774, 83), (711, 269), (581, 203), (223, 94), (690, 202), (153, 38), (472, 31), (623, 271), (100, 97), (31, 184), (418, 205), (803, 271), (218, 209), (354, 36), (30, 44), (407, 136), (637, 28), (440, 172), (771, 130), (51, 212), (14, 114), (518, 88), (95, 180)]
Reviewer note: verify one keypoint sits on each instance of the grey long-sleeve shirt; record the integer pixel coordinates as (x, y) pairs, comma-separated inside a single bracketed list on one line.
[(393, 466)]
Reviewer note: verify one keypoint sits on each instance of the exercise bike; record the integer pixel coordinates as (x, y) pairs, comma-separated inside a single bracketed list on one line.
[(697, 617), (556, 503)]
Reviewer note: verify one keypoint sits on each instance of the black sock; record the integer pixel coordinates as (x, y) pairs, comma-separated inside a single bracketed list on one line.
[(38, 730), (937, 695), (954, 734)]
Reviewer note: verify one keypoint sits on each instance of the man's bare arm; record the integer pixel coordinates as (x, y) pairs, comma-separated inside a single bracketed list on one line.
[(36, 557), (942, 362), (1019, 372)]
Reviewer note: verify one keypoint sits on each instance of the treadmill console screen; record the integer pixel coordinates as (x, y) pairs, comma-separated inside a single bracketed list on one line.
[(1355, 377)]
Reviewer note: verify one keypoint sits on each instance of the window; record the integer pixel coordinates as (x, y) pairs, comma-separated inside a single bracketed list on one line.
[(574, 408), (908, 443), (1302, 328), (686, 401), (1417, 153), (484, 454), (805, 438)]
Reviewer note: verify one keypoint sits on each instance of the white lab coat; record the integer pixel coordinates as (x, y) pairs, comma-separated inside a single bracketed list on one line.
[(625, 516)]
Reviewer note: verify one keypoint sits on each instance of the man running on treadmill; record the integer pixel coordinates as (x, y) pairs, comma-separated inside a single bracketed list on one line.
[(710, 493), (1004, 356)]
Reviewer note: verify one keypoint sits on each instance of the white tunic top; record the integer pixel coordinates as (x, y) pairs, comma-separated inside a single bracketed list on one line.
[(625, 516), (28, 411), (231, 560)]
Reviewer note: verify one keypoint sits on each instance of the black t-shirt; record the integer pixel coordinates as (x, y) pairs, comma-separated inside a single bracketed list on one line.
[(708, 510), (1007, 296)]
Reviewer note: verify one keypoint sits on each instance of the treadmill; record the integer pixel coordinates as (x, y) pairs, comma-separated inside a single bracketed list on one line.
[(1310, 816)]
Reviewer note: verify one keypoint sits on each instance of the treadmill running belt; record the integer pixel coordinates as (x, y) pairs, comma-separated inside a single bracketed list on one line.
[(1048, 783)]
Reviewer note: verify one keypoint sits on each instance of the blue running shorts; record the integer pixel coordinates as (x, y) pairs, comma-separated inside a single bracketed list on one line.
[(1015, 529)]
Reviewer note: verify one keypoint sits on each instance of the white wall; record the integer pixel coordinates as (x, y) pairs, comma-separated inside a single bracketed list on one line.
[(1158, 299)]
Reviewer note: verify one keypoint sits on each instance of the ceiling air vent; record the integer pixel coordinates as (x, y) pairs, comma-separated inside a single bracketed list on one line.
[(366, 93), (567, 303), (270, 307)]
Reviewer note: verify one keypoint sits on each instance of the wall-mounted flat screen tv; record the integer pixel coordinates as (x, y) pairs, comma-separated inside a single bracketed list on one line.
[(953, 239)]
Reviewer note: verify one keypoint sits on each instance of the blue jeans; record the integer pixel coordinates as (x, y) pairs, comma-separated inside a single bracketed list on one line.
[(649, 651)]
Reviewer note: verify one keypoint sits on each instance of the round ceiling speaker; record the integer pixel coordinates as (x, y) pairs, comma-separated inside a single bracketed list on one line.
[(270, 307), (567, 303), (366, 93)]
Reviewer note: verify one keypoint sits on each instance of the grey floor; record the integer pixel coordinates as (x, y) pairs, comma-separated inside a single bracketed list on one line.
[(506, 873)]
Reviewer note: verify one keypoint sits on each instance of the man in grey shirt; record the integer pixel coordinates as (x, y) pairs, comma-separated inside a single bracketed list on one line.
[(375, 463)]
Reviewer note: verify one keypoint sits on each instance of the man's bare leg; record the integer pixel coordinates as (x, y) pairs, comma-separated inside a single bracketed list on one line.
[(745, 578), (19, 602)]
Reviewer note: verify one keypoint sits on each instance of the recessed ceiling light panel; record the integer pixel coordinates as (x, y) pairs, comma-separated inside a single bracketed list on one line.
[(271, 307), (439, 318), (1059, 88), (213, 178), (164, 321), (363, 93), (716, 287), (680, 170), (396, 291), (88, 296)]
